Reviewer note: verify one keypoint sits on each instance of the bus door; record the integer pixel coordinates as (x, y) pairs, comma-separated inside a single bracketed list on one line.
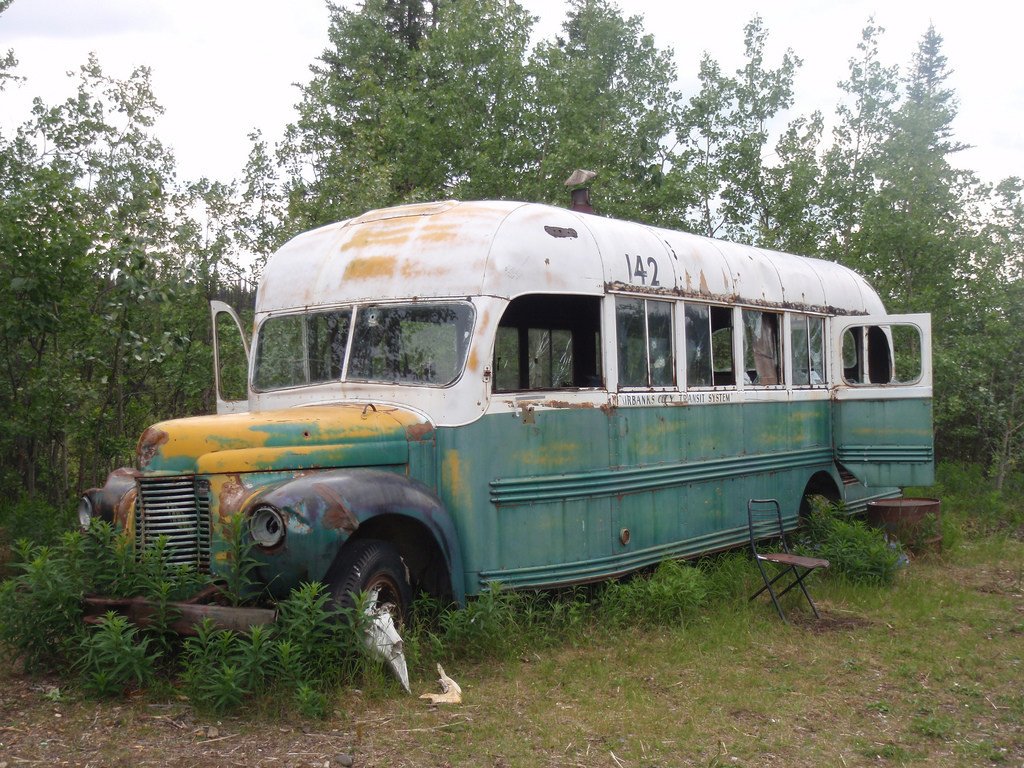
[(230, 359), (881, 373)]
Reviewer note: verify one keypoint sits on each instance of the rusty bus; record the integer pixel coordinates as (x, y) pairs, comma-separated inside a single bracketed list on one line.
[(446, 395)]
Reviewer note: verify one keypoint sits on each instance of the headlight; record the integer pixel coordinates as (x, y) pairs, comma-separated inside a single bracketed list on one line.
[(266, 526), (84, 512)]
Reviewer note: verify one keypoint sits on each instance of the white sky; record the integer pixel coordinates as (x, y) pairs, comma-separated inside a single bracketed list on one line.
[(222, 68)]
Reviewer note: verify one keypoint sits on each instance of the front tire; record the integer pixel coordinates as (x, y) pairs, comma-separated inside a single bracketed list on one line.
[(366, 565)]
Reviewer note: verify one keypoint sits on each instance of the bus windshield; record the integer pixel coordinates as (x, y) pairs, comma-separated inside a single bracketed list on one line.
[(419, 344)]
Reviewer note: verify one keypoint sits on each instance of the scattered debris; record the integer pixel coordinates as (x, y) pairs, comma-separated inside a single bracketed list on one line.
[(383, 639), (451, 692)]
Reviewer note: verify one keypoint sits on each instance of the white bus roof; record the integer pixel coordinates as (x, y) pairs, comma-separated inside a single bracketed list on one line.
[(506, 249)]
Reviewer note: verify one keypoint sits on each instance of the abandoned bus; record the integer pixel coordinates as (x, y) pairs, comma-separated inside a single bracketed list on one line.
[(446, 395)]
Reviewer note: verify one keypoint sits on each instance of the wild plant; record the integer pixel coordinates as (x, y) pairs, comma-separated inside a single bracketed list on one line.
[(115, 657), (163, 616), (239, 584), (213, 668), (256, 654), (856, 552), (108, 564), (223, 689), (327, 641), (40, 607), (729, 575), (672, 595), (487, 626), (288, 665), (311, 702)]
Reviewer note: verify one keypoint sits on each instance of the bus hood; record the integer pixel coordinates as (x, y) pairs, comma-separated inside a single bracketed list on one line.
[(342, 435)]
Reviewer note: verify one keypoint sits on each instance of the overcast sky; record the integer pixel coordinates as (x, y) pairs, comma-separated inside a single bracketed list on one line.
[(222, 68)]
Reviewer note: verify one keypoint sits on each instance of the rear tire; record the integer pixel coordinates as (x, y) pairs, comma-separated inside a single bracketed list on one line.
[(368, 564)]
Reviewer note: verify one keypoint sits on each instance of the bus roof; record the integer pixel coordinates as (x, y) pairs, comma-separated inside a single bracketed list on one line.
[(506, 249)]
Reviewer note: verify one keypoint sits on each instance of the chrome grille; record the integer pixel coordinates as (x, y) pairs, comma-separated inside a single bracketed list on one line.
[(177, 508)]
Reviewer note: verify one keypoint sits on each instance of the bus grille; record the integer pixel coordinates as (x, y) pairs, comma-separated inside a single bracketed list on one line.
[(177, 508)]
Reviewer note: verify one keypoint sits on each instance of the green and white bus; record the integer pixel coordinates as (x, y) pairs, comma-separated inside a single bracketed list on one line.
[(446, 395)]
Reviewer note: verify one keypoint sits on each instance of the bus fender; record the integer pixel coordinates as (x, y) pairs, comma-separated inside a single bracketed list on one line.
[(331, 506)]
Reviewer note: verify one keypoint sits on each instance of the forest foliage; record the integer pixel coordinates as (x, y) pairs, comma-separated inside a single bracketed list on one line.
[(108, 260)]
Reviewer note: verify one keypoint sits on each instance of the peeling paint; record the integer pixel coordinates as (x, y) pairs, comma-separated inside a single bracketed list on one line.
[(149, 445), (337, 515)]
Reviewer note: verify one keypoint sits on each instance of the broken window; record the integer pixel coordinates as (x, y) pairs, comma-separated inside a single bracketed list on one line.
[(644, 343), (422, 344), (708, 332), (807, 335), (886, 354), (548, 342), (762, 348), (296, 350), (697, 329)]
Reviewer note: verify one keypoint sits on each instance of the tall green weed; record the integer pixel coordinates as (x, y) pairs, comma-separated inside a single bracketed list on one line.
[(856, 552), (672, 595)]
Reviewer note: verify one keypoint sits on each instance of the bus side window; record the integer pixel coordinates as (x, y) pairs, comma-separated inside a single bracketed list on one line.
[(643, 329), (724, 371), (697, 328), (807, 342), (548, 342), (762, 348)]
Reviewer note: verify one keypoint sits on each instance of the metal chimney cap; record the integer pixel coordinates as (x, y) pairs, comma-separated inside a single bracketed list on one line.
[(579, 177)]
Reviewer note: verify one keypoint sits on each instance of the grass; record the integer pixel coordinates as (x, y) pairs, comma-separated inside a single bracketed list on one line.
[(926, 673)]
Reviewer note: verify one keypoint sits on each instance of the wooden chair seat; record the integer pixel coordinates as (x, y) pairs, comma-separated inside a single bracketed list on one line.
[(798, 560)]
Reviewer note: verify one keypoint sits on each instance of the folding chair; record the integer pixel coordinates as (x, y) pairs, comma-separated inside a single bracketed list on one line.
[(764, 517)]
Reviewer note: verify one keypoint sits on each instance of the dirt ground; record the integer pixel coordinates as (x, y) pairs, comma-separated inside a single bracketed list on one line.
[(39, 725)]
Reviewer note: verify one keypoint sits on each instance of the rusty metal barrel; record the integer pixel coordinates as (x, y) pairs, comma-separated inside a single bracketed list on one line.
[(915, 523)]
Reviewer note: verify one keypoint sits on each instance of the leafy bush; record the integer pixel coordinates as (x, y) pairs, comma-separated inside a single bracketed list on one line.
[(671, 595), (856, 551), (239, 584), (487, 626), (214, 669), (971, 504), (115, 657), (40, 607)]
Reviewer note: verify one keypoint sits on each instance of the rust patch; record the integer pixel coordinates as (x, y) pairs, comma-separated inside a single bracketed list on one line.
[(564, 404), (231, 496), (412, 270), (732, 298), (704, 288), (337, 515), (149, 445), (418, 433), (125, 508), (369, 267)]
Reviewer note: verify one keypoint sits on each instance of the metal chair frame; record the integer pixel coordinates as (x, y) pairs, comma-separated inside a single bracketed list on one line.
[(765, 524)]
